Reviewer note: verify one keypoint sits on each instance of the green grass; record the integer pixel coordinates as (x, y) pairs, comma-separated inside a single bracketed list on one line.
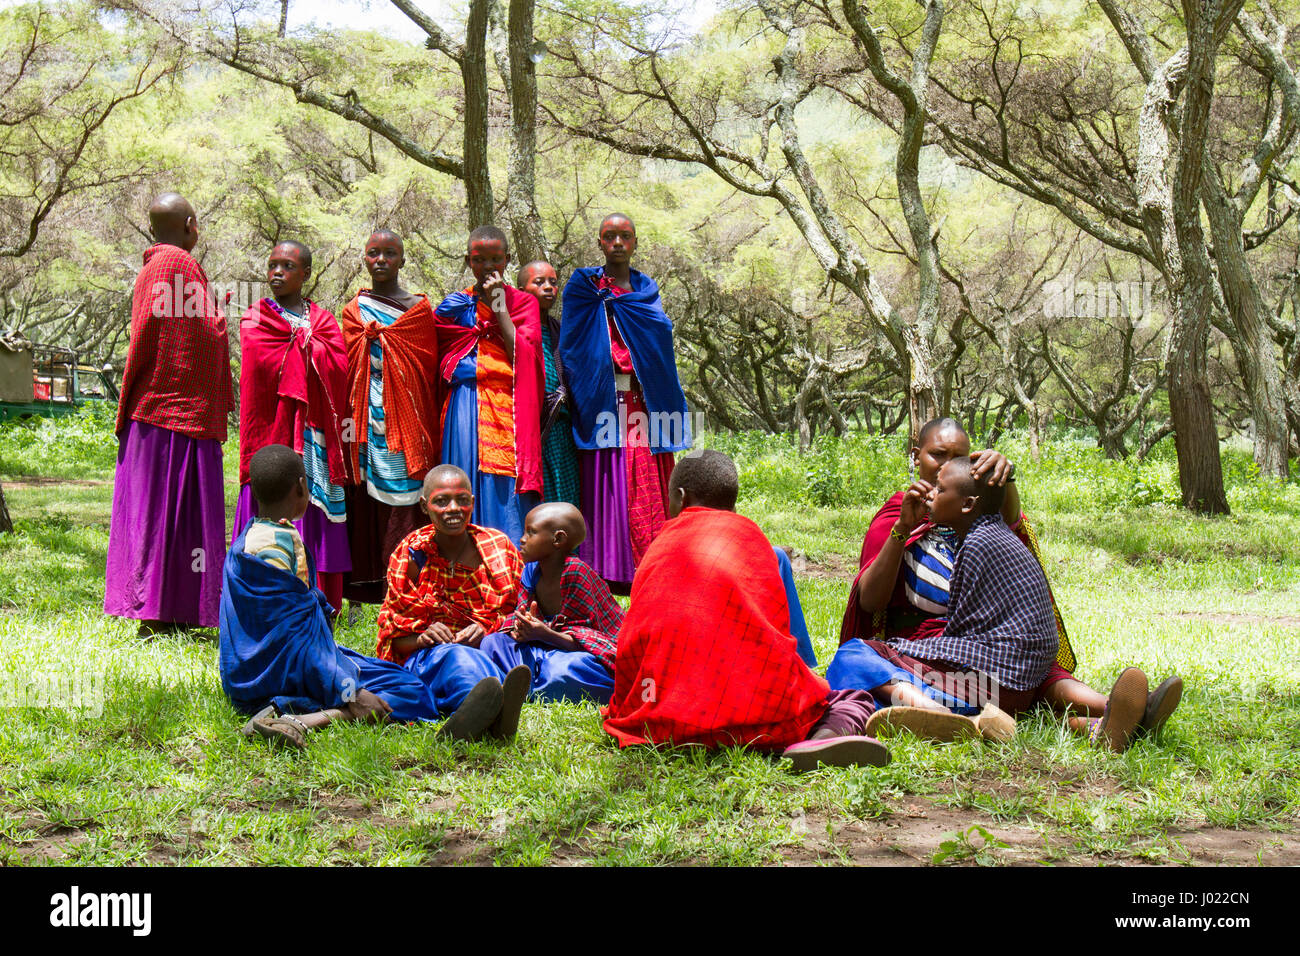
[(161, 776)]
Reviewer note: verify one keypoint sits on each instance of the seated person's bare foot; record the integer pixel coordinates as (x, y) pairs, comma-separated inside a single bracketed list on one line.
[(367, 706)]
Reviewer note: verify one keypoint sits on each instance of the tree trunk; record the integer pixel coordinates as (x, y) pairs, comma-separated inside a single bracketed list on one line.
[(1253, 345), (284, 19), (521, 202), (1200, 471), (473, 70)]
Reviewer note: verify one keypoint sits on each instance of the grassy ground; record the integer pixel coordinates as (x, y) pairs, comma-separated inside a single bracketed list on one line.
[(160, 775)]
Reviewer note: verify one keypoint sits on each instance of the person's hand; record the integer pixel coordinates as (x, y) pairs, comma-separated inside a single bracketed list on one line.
[(366, 706), (992, 463), (437, 633), (526, 624), (915, 506), (471, 634), (494, 293)]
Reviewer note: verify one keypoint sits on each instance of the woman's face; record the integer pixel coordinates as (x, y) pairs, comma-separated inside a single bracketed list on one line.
[(940, 446)]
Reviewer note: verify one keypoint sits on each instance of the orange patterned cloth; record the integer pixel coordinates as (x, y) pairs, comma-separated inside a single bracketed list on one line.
[(424, 588), (496, 403)]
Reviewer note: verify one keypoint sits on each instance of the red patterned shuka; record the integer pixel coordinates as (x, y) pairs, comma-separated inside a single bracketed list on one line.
[(705, 654), (588, 612), (177, 372), (424, 590)]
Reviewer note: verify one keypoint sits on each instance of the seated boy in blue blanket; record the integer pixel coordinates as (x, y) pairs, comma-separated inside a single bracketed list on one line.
[(565, 626), (278, 657)]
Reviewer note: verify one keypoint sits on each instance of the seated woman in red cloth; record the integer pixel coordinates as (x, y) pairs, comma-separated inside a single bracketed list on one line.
[(449, 584), (705, 654), (901, 591)]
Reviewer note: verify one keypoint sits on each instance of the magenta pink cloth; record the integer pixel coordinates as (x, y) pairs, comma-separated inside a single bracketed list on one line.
[(167, 532)]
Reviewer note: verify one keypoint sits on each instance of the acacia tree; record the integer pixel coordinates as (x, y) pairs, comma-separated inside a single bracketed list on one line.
[(747, 134), (313, 67), (64, 79)]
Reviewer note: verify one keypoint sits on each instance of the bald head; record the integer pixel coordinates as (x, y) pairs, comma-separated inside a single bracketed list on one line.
[(445, 475), (172, 221), (387, 235), (619, 218), (560, 516)]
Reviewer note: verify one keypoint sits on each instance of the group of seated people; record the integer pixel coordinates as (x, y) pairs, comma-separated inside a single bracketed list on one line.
[(951, 629)]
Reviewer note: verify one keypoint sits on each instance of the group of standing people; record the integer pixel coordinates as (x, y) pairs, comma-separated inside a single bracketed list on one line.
[(532, 405)]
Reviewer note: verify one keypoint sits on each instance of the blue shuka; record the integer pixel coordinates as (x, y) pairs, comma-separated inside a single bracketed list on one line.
[(585, 349), (276, 647)]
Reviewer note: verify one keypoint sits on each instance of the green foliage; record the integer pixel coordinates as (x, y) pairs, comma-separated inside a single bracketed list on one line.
[(80, 445), (974, 843)]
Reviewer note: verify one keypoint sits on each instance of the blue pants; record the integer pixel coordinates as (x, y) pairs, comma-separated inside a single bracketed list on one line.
[(857, 667), (394, 685), (450, 672), (557, 674)]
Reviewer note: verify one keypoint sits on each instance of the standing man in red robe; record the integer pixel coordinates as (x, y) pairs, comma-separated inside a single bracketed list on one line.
[(168, 528)]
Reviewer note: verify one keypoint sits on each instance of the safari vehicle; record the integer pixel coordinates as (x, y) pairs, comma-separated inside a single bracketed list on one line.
[(48, 380)]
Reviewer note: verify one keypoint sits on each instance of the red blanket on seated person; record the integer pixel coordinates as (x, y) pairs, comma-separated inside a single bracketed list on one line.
[(705, 654)]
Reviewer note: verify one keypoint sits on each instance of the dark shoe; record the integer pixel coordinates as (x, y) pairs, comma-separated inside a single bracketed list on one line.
[(1124, 709), (514, 692), (1161, 702), (837, 752), (476, 712)]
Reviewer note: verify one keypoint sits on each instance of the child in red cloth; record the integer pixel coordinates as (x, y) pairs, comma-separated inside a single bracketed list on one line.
[(706, 655)]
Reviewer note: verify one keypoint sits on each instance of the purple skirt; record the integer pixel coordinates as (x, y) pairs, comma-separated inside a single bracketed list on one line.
[(603, 489), (326, 541), (167, 534)]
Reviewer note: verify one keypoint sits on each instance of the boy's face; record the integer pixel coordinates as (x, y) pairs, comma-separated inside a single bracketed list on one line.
[(542, 284), (449, 506), (485, 257), (940, 447), (948, 504), (617, 240), (538, 540), (384, 258), (285, 272)]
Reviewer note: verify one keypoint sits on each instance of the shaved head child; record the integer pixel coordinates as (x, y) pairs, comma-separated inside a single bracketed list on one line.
[(566, 623), (293, 391), (559, 454), (449, 584), (492, 379), (629, 411), (393, 400), (278, 658), (706, 654), (708, 479), (168, 498)]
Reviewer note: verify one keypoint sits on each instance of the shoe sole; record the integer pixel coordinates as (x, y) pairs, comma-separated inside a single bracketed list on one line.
[(1161, 704), (477, 711), (839, 752), (514, 691), (248, 730), (280, 736), (995, 724), (938, 725), (1124, 709)]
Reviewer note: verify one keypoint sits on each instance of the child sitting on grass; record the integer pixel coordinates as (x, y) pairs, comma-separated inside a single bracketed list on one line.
[(706, 655), (277, 652), (1000, 636), (565, 628)]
